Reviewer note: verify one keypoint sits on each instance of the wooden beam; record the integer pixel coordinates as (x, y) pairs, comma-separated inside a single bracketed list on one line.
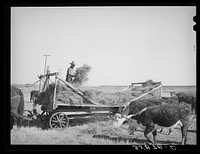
[(48, 74), (138, 82), (160, 86), (54, 95), (78, 92)]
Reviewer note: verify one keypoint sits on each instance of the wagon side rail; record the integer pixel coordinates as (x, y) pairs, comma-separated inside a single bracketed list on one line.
[(157, 90), (14, 114)]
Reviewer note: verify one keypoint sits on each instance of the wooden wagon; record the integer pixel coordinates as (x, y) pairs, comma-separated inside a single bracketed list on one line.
[(60, 113)]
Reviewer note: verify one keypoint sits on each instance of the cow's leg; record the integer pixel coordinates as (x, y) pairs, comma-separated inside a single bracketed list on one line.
[(193, 108), (154, 136), (131, 129), (147, 133), (170, 130), (184, 130), (184, 135), (161, 130)]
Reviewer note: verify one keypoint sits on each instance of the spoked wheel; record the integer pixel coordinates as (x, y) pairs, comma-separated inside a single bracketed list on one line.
[(58, 120)]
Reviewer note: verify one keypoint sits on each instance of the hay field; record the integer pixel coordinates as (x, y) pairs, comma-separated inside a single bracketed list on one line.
[(97, 130)]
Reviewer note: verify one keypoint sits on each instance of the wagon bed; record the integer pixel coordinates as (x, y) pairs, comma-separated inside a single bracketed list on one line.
[(60, 113)]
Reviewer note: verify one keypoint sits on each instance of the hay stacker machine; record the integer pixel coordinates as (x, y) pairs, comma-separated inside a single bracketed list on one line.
[(59, 114)]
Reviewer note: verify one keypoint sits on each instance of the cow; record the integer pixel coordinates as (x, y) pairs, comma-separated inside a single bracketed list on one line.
[(163, 115), (136, 106), (133, 125), (187, 97)]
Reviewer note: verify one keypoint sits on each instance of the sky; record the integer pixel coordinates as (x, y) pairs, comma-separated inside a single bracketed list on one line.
[(122, 44)]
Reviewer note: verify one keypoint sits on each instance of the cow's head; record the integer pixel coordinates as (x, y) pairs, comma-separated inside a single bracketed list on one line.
[(119, 119)]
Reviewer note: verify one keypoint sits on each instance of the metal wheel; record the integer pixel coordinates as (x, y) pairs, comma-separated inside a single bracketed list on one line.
[(58, 120)]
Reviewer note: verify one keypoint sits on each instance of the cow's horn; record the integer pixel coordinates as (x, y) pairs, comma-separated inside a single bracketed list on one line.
[(129, 116), (140, 112)]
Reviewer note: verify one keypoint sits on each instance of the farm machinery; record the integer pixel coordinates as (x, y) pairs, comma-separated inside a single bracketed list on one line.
[(57, 115)]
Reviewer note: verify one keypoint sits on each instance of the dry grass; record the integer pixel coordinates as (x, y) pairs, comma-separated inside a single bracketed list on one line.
[(85, 132), (95, 133), (70, 135)]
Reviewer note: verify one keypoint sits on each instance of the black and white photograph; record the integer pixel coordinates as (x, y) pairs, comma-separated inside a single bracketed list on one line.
[(103, 75)]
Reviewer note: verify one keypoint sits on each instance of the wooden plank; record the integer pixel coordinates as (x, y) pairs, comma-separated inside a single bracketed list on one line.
[(48, 74), (137, 82), (90, 105), (74, 116), (54, 95), (89, 109)]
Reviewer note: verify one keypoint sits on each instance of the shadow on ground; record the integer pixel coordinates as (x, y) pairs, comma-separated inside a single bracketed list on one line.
[(133, 140)]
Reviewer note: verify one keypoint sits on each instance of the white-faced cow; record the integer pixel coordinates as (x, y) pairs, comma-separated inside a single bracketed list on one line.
[(164, 115), (136, 106)]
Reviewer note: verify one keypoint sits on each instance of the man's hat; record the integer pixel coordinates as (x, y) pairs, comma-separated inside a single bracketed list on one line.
[(72, 63)]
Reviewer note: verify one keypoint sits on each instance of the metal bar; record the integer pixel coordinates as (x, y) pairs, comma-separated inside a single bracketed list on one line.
[(34, 83)]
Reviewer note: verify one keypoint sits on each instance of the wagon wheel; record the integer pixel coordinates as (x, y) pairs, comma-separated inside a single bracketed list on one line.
[(58, 120)]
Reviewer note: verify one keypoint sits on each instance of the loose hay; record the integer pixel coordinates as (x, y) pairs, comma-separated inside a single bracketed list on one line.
[(105, 129), (68, 96), (81, 75)]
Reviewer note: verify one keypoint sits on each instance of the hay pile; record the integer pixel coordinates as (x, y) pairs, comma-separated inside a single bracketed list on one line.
[(146, 86), (150, 83), (105, 128), (67, 96), (117, 98)]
